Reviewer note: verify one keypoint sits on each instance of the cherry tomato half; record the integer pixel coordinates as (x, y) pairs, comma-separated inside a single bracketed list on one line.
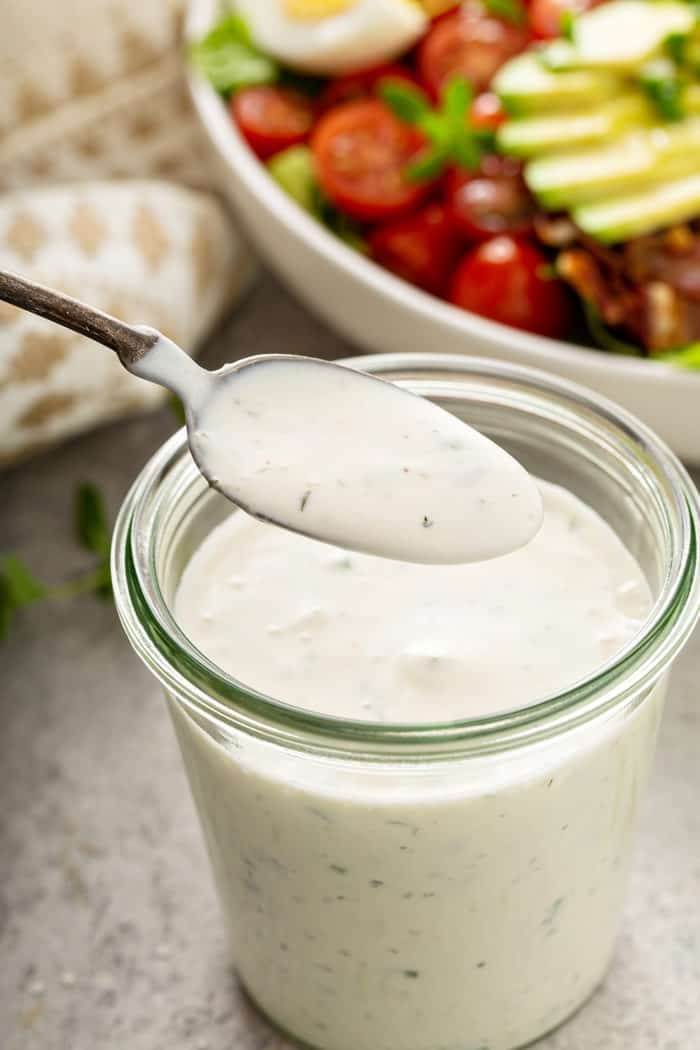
[(361, 151), (470, 43), (272, 118), (492, 200), (545, 16), (508, 280), (363, 84), (422, 248)]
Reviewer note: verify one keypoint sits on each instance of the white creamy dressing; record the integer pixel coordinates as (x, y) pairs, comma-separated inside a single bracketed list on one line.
[(450, 906), (358, 462), (348, 458), (456, 905), (356, 636)]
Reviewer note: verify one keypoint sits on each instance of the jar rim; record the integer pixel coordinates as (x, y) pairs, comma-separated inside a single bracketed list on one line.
[(215, 695)]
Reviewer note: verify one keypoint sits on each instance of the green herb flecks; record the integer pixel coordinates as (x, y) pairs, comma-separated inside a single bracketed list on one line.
[(229, 59), (509, 10), (20, 588), (663, 86), (451, 137), (304, 499)]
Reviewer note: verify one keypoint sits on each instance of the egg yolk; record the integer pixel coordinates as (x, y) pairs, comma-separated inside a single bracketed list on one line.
[(312, 10)]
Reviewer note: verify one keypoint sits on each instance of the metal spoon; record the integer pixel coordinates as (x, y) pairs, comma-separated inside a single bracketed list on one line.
[(325, 450)]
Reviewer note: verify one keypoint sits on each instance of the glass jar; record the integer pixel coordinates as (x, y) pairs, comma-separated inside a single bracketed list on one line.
[(454, 886)]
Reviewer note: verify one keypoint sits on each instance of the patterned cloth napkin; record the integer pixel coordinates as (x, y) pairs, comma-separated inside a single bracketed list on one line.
[(94, 116), (95, 88)]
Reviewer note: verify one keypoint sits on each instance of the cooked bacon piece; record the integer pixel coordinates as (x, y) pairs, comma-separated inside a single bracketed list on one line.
[(597, 284), (556, 231), (672, 256), (648, 288), (662, 321)]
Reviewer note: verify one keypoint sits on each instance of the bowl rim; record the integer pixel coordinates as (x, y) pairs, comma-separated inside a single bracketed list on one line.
[(241, 160)]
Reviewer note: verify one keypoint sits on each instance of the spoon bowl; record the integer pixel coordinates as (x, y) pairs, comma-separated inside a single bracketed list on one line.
[(324, 450)]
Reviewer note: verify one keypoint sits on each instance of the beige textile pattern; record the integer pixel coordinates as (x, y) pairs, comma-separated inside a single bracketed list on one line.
[(95, 88), (145, 251)]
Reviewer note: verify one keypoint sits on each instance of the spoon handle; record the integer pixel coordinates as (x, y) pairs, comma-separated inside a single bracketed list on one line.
[(130, 344)]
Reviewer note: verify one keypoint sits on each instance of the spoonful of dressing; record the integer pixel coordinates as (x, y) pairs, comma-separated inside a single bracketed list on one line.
[(324, 450)]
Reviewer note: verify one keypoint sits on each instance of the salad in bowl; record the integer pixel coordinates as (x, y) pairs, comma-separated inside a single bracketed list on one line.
[(534, 162)]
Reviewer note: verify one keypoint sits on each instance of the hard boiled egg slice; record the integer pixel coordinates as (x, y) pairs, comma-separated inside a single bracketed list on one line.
[(330, 37)]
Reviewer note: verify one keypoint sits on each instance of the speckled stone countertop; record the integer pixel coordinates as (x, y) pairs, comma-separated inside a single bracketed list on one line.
[(109, 930)]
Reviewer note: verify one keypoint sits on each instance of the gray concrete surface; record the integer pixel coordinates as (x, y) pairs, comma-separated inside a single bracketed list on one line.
[(109, 930)]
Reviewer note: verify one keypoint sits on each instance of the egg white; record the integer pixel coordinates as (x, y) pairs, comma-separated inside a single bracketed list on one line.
[(363, 35)]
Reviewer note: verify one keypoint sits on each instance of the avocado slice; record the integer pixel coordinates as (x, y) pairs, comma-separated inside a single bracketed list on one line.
[(532, 136), (293, 169), (619, 218), (620, 36), (664, 152), (525, 86)]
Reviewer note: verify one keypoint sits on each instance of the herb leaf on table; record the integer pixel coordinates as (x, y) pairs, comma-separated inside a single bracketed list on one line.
[(91, 520), (20, 588), (93, 533)]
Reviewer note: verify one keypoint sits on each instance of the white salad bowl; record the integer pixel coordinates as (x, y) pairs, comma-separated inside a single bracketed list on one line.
[(383, 313)]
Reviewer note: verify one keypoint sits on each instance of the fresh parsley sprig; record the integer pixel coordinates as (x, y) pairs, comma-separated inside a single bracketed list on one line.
[(20, 588), (451, 137)]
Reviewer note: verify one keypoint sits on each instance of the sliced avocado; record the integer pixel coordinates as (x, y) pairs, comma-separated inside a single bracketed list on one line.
[(664, 152), (620, 35), (619, 218), (293, 169), (525, 86), (531, 136), (691, 98)]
